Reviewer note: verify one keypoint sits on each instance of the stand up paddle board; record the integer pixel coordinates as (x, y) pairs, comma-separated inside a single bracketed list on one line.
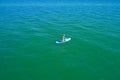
[(60, 41)]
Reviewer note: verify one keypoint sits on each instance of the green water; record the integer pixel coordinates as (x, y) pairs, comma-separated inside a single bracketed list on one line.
[(28, 50)]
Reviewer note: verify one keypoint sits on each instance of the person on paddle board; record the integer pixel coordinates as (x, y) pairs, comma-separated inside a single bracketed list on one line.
[(63, 38)]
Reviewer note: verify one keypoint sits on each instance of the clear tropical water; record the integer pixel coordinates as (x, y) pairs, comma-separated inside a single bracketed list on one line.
[(28, 50)]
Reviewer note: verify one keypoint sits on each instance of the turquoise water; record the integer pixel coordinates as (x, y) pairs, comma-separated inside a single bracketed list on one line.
[(28, 50)]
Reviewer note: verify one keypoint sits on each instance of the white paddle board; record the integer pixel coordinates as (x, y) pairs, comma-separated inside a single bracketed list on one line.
[(60, 41)]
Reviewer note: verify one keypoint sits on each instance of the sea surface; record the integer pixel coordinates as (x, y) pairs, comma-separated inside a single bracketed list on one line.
[(28, 50)]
